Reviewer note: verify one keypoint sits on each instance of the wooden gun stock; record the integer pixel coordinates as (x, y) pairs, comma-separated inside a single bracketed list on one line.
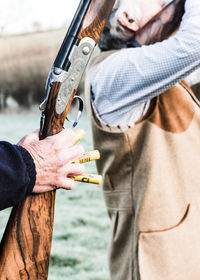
[(26, 243)]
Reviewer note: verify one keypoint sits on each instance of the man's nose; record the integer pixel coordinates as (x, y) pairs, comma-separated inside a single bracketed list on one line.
[(128, 21), (128, 18)]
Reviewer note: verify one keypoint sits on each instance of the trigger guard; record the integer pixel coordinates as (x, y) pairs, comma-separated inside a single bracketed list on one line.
[(80, 111)]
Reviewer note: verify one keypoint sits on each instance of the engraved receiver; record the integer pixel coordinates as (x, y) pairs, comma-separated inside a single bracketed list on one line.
[(29, 230), (70, 63)]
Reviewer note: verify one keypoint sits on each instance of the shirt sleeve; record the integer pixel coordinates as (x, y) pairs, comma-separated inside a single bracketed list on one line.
[(133, 76), (17, 174)]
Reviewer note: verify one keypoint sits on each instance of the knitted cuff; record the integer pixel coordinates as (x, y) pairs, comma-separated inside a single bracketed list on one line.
[(30, 167)]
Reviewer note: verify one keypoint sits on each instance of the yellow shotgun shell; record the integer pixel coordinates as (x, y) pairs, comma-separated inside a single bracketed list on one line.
[(80, 133), (89, 156), (88, 178)]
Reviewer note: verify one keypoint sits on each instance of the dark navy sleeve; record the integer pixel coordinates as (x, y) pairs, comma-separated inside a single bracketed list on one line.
[(17, 174)]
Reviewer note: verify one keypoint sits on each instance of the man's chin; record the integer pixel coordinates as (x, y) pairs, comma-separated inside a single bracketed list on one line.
[(115, 37)]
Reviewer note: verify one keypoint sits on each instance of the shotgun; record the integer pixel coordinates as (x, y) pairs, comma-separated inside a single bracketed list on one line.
[(26, 243)]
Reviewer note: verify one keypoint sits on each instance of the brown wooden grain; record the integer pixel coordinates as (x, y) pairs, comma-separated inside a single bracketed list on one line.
[(95, 19), (26, 244), (54, 122)]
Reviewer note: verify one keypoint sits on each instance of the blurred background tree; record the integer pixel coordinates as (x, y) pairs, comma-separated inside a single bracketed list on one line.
[(26, 60), (28, 46), (25, 63)]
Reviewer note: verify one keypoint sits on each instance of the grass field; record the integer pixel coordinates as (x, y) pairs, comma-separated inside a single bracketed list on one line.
[(81, 230)]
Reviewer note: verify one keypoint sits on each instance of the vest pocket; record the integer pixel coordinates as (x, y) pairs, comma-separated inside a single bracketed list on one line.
[(118, 198), (174, 253)]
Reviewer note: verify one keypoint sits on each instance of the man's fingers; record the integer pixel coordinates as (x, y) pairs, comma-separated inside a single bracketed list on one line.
[(67, 184), (70, 154), (43, 188), (75, 169), (65, 138)]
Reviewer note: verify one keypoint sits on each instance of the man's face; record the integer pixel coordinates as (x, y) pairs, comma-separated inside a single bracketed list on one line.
[(130, 15)]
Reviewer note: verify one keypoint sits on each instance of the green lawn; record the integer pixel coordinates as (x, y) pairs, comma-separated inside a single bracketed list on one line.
[(81, 231)]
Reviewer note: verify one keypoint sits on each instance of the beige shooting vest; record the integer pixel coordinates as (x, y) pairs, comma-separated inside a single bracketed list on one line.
[(152, 188)]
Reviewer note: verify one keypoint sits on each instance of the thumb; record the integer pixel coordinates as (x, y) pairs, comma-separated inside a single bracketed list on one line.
[(65, 138), (34, 136)]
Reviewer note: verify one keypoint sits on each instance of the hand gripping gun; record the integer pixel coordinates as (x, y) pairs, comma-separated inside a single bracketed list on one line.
[(26, 244)]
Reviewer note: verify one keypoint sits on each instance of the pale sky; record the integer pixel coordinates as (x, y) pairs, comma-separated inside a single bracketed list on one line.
[(20, 16)]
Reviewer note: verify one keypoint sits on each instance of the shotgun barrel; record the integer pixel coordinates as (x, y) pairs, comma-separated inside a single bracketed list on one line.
[(26, 243)]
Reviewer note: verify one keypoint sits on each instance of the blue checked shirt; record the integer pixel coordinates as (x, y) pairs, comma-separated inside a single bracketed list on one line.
[(125, 82)]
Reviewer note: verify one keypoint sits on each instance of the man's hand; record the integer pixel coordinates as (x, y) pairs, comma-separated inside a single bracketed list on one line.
[(53, 159)]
